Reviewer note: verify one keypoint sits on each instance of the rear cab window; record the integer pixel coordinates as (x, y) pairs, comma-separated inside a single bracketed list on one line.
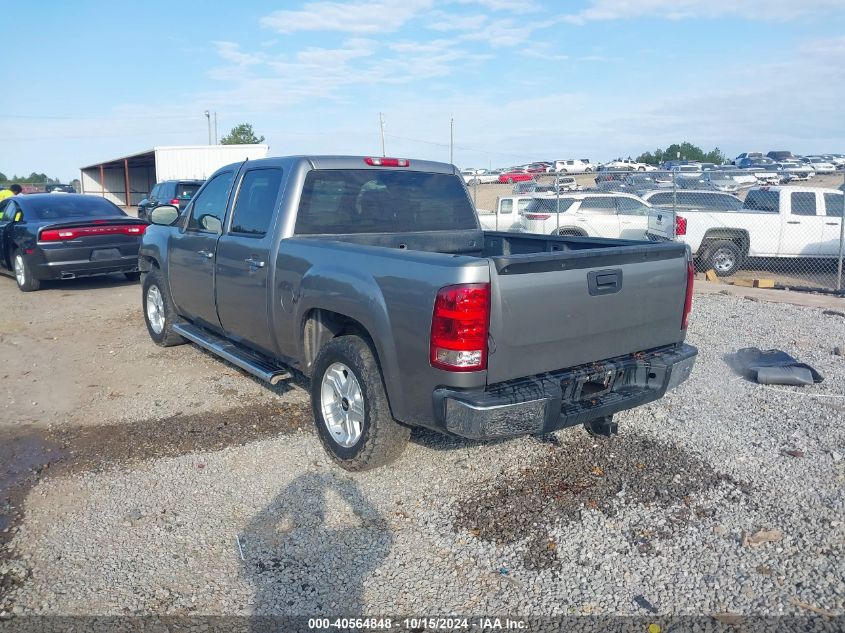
[(762, 200), (339, 201)]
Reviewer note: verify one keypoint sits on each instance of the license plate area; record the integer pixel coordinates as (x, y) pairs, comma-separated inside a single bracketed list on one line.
[(594, 385), (105, 254)]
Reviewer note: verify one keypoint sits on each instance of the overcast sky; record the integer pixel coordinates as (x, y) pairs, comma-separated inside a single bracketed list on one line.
[(523, 80)]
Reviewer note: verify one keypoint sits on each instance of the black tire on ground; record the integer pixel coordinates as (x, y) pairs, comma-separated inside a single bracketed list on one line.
[(136, 276), (166, 337), (723, 256), (382, 439), (30, 283)]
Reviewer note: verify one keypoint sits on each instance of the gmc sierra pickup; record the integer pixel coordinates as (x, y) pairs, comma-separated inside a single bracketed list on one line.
[(373, 277)]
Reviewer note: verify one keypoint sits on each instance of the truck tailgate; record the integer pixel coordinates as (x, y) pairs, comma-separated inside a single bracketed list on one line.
[(555, 310)]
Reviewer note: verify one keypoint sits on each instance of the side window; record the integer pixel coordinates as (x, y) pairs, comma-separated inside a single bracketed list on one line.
[(599, 205), (762, 200), (803, 203), (253, 212), (833, 204), (629, 206), (4, 206), (10, 211), (154, 194), (506, 206), (210, 205), (522, 205), (659, 199)]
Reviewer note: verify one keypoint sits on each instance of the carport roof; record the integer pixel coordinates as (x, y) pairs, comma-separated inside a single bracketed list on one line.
[(142, 159)]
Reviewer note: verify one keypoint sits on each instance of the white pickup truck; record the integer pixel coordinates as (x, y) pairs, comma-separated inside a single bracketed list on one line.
[(773, 222), (507, 216)]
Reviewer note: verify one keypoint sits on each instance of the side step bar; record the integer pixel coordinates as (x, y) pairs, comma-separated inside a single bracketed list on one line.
[(245, 359)]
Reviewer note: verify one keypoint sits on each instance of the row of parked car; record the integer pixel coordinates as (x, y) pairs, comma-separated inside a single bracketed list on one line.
[(721, 229)]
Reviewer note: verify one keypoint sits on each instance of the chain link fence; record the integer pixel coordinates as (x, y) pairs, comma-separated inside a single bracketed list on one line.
[(781, 229)]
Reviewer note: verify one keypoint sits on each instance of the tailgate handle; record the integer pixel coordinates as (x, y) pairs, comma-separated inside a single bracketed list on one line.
[(604, 282)]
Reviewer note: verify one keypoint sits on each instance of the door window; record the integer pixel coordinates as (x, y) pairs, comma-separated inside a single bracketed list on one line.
[(597, 205), (630, 206), (209, 206), (833, 204), (762, 200), (154, 193), (522, 205), (506, 206), (660, 199), (803, 203), (253, 211)]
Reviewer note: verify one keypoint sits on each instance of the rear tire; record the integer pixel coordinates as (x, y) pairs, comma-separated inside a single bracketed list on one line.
[(159, 311), (351, 412), (23, 274), (723, 256)]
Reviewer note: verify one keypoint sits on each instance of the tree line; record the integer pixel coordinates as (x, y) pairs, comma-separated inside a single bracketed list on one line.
[(686, 151), (33, 178)]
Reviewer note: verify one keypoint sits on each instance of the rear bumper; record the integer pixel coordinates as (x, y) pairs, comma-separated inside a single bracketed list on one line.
[(68, 263), (552, 401)]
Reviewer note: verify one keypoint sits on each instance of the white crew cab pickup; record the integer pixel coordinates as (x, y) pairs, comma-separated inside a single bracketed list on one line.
[(507, 216), (773, 222), (589, 214)]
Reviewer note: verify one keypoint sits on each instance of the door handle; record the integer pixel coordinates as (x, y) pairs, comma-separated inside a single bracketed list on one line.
[(792, 222), (254, 263), (832, 223), (206, 254)]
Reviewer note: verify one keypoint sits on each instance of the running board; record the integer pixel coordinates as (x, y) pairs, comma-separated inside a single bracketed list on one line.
[(247, 360)]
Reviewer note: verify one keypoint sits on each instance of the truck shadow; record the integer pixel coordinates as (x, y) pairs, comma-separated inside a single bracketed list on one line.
[(310, 551)]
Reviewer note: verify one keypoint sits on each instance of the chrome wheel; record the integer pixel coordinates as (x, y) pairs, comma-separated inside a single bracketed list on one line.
[(724, 260), (20, 271), (342, 404), (155, 309)]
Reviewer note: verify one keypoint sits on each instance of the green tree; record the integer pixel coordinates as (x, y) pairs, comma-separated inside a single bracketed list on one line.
[(686, 151), (242, 134), (77, 186)]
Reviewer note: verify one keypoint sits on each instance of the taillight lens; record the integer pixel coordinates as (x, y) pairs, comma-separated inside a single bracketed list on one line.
[(174, 202), (680, 225), (381, 161), (688, 298), (537, 216), (61, 235), (459, 327)]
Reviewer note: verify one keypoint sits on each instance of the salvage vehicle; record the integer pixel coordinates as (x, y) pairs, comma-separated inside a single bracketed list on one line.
[(587, 214), (45, 236), (372, 277), (772, 222), (507, 214), (515, 175)]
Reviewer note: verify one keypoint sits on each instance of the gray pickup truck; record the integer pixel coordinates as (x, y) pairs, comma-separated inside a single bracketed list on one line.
[(373, 277)]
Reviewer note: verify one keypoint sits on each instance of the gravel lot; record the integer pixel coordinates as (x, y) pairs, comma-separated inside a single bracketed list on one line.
[(175, 484)]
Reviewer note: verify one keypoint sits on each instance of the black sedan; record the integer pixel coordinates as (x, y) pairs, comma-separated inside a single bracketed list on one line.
[(49, 236)]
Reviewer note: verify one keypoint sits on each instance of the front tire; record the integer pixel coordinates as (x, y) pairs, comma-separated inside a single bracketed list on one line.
[(351, 412), (23, 274), (159, 311)]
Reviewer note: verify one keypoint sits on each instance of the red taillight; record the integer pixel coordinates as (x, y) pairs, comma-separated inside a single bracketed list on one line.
[(680, 225), (377, 161), (537, 216), (459, 328), (174, 202), (688, 298), (61, 235)]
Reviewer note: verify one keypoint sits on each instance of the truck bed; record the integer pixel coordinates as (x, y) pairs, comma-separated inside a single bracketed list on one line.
[(562, 301)]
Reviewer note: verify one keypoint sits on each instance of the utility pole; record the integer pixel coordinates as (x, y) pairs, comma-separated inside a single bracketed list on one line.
[(381, 127), (208, 117), (215, 128), (452, 141)]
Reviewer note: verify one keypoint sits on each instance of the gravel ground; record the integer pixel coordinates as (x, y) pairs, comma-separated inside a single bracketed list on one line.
[(725, 496)]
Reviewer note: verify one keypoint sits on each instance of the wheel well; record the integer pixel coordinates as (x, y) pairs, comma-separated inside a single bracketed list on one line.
[(572, 231), (147, 263), (320, 326), (740, 238)]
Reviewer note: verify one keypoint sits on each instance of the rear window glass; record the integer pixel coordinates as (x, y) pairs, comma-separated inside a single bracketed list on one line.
[(382, 201), (803, 203), (51, 207), (760, 200), (186, 191), (549, 205)]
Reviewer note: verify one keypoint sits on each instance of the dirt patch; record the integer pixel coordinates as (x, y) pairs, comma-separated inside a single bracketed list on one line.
[(30, 454), (602, 475)]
